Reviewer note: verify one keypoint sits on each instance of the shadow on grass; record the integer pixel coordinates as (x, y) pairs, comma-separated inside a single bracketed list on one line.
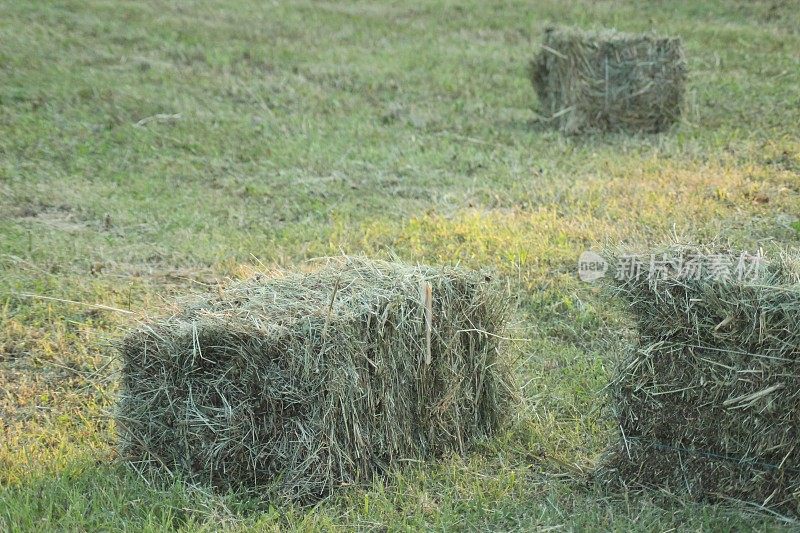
[(97, 496)]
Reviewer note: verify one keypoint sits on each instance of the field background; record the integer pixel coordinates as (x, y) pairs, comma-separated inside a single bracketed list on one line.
[(152, 149)]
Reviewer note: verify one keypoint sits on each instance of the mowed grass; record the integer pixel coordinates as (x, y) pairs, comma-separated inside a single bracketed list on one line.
[(150, 150)]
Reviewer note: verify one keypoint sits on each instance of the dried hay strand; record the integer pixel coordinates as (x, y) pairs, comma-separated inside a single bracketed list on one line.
[(295, 384), (609, 81), (708, 402)]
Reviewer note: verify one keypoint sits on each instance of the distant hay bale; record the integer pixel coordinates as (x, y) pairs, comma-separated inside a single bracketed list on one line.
[(708, 403), (609, 81), (296, 384)]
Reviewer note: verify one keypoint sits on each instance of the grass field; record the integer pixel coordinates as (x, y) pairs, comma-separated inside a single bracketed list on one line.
[(151, 149)]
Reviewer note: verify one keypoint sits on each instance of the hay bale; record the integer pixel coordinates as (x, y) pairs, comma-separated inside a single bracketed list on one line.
[(708, 402), (296, 384), (609, 81)]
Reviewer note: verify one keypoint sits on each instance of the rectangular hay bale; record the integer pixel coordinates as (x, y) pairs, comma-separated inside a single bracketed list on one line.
[(609, 81), (709, 401), (293, 385)]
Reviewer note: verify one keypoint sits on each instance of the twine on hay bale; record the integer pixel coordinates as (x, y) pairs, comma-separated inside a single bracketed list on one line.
[(298, 383), (708, 402), (609, 81)]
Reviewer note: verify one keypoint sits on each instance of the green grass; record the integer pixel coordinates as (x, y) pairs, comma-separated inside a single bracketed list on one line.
[(148, 149)]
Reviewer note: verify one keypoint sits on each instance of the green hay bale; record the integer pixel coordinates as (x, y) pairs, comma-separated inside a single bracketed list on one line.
[(609, 81), (708, 402), (296, 384)]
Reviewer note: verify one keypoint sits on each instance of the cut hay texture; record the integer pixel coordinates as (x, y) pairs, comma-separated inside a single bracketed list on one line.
[(708, 403), (609, 81), (295, 384)]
